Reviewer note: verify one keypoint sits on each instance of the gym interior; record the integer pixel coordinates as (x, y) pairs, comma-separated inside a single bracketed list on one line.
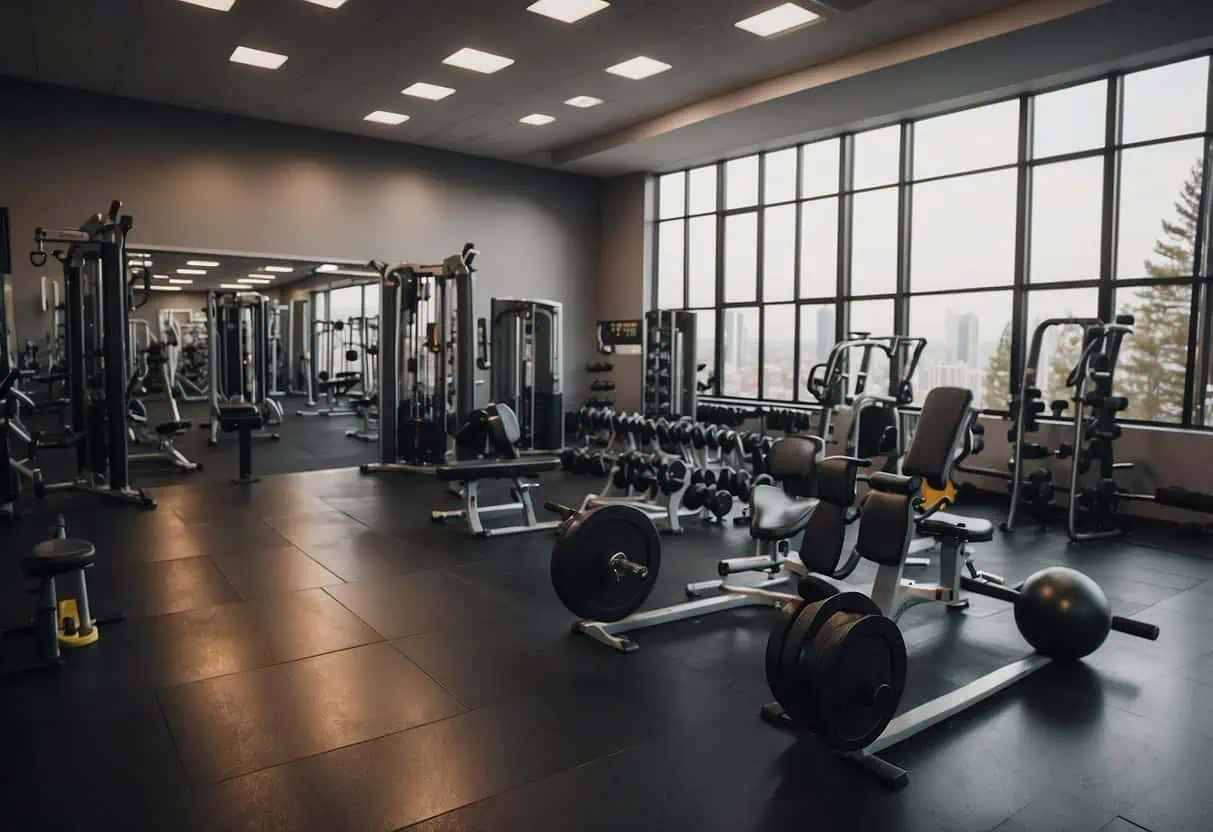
[(572, 414)]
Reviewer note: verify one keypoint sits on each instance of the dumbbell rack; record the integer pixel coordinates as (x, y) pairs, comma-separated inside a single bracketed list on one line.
[(603, 382), (670, 364)]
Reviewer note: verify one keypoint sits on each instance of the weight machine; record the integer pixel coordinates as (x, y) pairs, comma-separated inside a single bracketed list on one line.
[(670, 366), (427, 368), (239, 357), (525, 371), (99, 296)]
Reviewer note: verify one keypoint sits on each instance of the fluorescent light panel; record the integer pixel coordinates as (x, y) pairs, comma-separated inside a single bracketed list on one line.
[(191, 271), (328, 267), (386, 117), (180, 281), (257, 57), (583, 101), (233, 286), (639, 67), (537, 119), (202, 264), (254, 281), (278, 269), (162, 288), (162, 277), (430, 92), (478, 61), (567, 11), (261, 276), (778, 20), (217, 5)]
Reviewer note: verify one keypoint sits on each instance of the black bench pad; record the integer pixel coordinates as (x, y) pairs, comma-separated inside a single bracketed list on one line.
[(776, 515), (488, 469), (956, 527)]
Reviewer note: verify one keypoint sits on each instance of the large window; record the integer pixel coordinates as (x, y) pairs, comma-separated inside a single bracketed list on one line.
[(966, 229)]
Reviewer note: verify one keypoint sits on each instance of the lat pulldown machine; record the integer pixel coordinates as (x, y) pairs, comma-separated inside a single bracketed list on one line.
[(427, 370), (527, 348)]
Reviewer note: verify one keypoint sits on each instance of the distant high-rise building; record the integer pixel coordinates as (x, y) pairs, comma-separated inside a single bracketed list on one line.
[(734, 337), (960, 337), (825, 331)]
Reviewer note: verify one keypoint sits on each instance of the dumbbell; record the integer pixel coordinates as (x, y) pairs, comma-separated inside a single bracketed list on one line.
[(704, 476), (568, 457), (711, 436), (599, 464), (716, 500), (602, 386), (599, 367), (672, 475), (725, 479)]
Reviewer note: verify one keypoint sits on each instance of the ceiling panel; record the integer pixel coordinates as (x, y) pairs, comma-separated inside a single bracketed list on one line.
[(344, 63)]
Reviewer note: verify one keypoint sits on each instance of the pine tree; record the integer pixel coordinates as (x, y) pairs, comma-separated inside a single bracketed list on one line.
[(1062, 360), (997, 383), (1153, 364)]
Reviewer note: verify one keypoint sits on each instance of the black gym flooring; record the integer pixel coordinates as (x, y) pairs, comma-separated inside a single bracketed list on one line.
[(313, 653)]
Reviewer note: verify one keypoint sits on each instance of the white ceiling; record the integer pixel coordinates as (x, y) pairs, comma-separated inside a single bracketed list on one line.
[(347, 62)]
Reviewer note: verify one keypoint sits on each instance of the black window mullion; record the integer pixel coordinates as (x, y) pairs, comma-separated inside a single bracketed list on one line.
[(846, 216), (760, 259), (1111, 185), (1200, 327), (1023, 247), (905, 206), (686, 239), (796, 251), (720, 186)]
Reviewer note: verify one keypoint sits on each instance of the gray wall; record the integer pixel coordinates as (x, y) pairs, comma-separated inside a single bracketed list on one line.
[(623, 277), (219, 182)]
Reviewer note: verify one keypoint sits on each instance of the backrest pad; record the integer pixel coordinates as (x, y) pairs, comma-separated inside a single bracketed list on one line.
[(793, 461), (504, 432), (938, 434)]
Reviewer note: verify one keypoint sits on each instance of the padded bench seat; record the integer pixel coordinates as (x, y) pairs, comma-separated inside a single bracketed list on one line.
[(957, 527), (778, 516), (486, 469)]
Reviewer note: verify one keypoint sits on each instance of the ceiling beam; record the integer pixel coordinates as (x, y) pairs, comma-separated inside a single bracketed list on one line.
[(992, 24)]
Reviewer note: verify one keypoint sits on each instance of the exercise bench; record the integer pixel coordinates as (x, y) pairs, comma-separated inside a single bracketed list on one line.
[(501, 432)]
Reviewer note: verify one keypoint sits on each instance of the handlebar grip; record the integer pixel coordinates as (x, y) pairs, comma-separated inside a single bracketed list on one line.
[(1136, 628), (557, 508)]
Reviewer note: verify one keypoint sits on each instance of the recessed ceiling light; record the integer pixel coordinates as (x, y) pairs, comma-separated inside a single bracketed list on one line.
[(162, 288), (218, 5), (255, 281), (386, 117), (583, 101), (567, 11), (777, 20), (327, 267), (161, 277), (262, 276), (139, 263), (191, 271), (180, 281), (430, 92), (328, 4), (202, 264), (280, 269), (639, 67), (256, 57), (477, 61), (233, 286), (537, 119), (136, 256)]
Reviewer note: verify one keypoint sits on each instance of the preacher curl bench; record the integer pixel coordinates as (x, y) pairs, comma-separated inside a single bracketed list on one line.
[(494, 430)]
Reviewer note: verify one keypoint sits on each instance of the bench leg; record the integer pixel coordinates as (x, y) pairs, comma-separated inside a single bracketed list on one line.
[(246, 459)]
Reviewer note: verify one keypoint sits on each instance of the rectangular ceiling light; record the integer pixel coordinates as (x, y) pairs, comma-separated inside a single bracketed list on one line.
[(218, 5), (328, 267), (430, 92), (162, 277), (191, 271), (233, 286), (262, 276), (278, 269), (256, 57), (202, 264), (537, 119), (567, 11), (583, 101), (162, 288), (386, 117), (477, 61), (180, 281), (328, 4), (639, 67), (255, 281), (778, 20)]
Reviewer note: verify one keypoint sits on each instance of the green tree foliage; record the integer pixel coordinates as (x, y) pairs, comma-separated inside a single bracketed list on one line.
[(1064, 358), (1153, 364), (997, 383)]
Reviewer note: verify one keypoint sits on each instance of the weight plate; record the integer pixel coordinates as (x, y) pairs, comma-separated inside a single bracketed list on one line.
[(800, 690), (812, 588), (784, 619), (580, 568), (858, 664)]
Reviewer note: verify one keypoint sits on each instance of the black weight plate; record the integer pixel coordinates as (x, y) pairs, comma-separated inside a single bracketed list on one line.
[(799, 689), (812, 588), (780, 627), (580, 569), (852, 656)]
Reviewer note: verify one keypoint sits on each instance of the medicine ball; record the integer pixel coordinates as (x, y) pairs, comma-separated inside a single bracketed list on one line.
[(1063, 613)]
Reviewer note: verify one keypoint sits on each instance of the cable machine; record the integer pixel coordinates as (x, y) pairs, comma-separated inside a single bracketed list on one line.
[(670, 364), (427, 369), (525, 372), (240, 355), (98, 299)]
